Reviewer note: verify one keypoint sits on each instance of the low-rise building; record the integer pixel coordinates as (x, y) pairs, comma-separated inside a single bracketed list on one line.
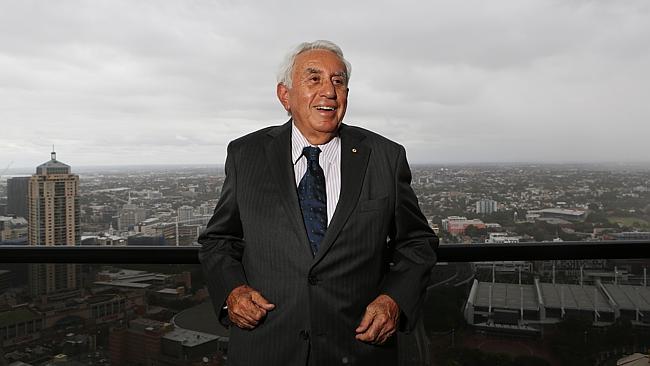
[(570, 215), (456, 225), (154, 343), (502, 238)]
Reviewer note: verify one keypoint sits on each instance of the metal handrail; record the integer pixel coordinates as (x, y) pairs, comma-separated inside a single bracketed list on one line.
[(620, 249)]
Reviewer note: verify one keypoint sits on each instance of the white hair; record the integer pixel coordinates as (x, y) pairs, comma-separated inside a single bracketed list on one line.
[(286, 69)]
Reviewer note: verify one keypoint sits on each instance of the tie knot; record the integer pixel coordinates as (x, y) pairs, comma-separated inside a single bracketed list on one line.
[(311, 153)]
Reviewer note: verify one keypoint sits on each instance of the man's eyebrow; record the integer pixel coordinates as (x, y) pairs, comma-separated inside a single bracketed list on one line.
[(341, 73), (312, 70)]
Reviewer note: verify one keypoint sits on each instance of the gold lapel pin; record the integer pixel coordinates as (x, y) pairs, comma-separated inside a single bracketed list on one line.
[(354, 150)]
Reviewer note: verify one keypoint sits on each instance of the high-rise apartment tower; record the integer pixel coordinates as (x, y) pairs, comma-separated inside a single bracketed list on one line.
[(53, 220)]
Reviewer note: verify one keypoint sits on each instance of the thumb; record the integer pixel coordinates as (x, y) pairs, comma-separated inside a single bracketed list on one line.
[(260, 301), (365, 322)]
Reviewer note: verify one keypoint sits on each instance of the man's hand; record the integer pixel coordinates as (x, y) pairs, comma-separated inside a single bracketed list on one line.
[(247, 307), (380, 320)]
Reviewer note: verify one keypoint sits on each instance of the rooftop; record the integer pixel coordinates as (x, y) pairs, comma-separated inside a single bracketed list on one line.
[(189, 338), (604, 297), (574, 297), (506, 295), (168, 291), (560, 211), (53, 167), (135, 285), (629, 297), (18, 315)]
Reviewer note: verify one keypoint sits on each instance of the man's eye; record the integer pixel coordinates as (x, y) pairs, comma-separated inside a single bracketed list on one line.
[(314, 78)]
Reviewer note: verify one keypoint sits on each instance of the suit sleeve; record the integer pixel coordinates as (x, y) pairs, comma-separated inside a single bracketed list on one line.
[(413, 245), (222, 244)]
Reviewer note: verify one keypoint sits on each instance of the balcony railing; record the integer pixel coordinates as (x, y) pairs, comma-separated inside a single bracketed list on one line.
[(448, 330), (622, 249)]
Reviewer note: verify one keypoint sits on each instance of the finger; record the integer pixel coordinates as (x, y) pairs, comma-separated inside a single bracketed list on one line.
[(248, 317), (373, 330), (386, 333), (370, 335), (382, 339), (368, 316), (244, 324), (248, 311), (253, 313), (377, 327), (260, 301), (388, 326), (380, 325), (239, 321), (237, 314)]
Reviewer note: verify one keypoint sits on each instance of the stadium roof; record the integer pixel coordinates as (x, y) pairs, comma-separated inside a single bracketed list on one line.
[(574, 297), (629, 297), (506, 296), (567, 296)]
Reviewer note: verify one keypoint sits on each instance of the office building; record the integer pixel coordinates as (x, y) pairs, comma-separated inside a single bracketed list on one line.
[(185, 213), (130, 216), (17, 201), (182, 234)]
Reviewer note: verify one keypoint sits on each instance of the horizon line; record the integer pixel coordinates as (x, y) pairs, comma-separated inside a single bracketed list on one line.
[(19, 169)]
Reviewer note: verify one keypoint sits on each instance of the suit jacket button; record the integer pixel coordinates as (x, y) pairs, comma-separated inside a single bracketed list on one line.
[(313, 280), (304, 335)]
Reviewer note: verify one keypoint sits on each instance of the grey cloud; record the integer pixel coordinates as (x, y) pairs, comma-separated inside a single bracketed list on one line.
[(151, 81)]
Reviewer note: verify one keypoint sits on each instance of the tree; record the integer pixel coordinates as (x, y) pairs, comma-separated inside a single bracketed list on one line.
[(597, 217), (504, 218), (475, 232)]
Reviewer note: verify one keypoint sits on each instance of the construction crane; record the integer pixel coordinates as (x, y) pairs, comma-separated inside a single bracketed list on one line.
[(5, 169)]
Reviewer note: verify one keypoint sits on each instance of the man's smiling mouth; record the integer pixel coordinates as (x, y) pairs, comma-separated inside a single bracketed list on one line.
[(324, 108)]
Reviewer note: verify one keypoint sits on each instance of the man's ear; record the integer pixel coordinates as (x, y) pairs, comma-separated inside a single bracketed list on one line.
[(283, 96)]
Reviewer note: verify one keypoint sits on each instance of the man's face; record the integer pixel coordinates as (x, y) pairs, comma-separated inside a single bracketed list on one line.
[(319, 93)]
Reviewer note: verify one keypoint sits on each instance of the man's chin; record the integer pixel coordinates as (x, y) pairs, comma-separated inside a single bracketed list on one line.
[(328, 126)]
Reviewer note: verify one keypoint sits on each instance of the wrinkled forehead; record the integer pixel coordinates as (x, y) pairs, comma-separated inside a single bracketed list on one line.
[(320, 61)]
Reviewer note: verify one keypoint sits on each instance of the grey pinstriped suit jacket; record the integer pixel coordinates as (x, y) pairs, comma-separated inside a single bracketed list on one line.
[(257, 237)]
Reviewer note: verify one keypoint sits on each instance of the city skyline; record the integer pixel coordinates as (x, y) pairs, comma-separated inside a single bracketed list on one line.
[(540, 302), (118, 83)]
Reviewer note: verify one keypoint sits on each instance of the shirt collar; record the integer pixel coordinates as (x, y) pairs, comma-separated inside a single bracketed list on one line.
[(298, 142)]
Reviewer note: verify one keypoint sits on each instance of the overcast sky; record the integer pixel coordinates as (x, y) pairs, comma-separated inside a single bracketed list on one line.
[(153, 82)]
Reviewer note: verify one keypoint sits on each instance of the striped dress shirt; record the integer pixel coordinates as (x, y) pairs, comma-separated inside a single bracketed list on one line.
[(329, 159)]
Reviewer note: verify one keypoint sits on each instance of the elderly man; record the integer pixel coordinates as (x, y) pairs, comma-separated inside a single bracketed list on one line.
[(317, 252)]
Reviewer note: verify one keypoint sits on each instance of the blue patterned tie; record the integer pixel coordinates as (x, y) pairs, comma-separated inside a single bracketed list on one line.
[(312, 196)]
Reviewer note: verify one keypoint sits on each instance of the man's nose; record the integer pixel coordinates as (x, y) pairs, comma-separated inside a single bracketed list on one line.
[(328, 90)]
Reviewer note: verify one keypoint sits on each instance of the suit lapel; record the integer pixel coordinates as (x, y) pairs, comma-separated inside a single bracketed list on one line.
[(354, 160), (278, 153)]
